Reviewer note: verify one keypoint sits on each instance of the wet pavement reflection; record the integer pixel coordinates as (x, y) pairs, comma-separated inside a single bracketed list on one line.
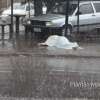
[(52, 57), (47, 71)]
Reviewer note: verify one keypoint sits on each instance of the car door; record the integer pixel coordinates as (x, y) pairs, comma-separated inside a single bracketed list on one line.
[(86, 16), (97, 13)]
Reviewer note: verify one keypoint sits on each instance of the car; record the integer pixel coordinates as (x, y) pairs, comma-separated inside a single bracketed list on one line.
[(89, 18), (24, 9), (19, 8)]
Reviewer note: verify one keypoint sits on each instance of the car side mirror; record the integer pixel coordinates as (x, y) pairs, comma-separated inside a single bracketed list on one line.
[(78, 13)]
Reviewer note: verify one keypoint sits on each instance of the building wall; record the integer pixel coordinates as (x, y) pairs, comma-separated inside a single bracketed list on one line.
[(4, 3)]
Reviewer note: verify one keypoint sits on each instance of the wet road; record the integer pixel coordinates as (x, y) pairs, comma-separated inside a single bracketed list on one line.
[(80, 71), (56, 61), (53, 58), (84, 65)]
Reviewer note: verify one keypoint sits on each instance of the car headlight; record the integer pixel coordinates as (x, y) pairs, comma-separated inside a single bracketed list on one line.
[(48, 23)]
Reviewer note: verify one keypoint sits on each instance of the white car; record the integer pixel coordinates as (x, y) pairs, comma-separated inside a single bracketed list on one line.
[(89, 18), (24, 9), (19, 8)]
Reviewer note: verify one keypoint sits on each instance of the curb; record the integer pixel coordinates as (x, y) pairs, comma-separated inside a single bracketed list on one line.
[(48, 55)]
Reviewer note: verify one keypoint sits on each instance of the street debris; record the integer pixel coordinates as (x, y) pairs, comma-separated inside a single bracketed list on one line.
[(59, 42)]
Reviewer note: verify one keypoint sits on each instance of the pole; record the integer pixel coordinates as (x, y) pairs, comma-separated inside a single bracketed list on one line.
[(11, 34), (66, 17), (29, 8), (78, 26)]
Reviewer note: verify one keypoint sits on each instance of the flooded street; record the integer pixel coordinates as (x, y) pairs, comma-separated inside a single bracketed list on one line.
[(49, 77), (27, 69), (49, 50), (26, 74)]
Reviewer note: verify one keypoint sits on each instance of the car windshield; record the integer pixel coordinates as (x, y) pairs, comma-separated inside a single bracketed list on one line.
[(61, 9), (15, 6), (21, 7)]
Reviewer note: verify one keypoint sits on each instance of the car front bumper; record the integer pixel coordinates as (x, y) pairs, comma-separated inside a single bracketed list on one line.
[(44, 31)]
